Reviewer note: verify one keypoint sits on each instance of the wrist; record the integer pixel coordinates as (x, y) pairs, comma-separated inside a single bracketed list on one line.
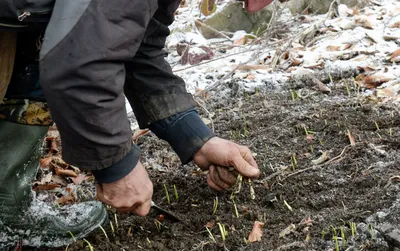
[(185, 132), (119, 169)]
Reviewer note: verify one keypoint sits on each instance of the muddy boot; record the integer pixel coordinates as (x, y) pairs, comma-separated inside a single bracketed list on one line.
[(22, 216)]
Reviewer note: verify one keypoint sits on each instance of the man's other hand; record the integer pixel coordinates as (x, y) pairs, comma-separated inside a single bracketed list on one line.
[(132, 193), (218, 155)]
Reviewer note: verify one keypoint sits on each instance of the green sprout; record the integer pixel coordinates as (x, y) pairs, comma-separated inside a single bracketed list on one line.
[(105, 234), (116, 220), (342, 233), (224, 232), (158, 224), (335, 238), (353, 228), (89, 245), (288, 206), (235, 208), (167, 194), (176, 193), (323, 233), (377, 126), (112, 228), (215, 207), (211, 235), (72, 235), (347, 88), (371, 231)]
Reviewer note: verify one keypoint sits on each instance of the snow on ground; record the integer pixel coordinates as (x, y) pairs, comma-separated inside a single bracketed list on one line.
[(355, 43)]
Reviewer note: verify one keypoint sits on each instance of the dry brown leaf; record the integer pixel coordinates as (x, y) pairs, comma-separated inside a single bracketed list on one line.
[(363, 21), (395, 25), (251, 77), (240, 41), (347, 46), (395, 57), (296, 62), (139, 134), (250, 67), (351, 138), (256, 232), (67, 199), (45, 162), (324, 157), (59, 179), (210, 224), (365, 68), (310, 137), (78, 180), (376, 80), (65, 172), (54, 147), (45, 187), (390, 38), (306, 221), (333, 48), (288, 230)]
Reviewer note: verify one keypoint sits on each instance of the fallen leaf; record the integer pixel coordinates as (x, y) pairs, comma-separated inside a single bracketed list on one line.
[(310, 137), (288, 230), (210, 224), (256, 232), (45, 162), (395, 57), (324, 157), (251, 77), (79, 179), (59, 179), (241, 41), (65, 172), (53, 147), (139, 134), (306, 221), (333, 48), (45, 187), (351, 138), (376, 80), (395, 25), (365, 68), (208, 7), (364, 22), (67, 199)]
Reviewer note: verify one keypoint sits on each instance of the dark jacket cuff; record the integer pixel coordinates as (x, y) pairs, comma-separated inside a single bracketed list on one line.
[(185, 132), (120, 169)]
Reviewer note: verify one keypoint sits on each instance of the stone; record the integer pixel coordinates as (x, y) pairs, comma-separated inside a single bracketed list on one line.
[(233, 17), (320, 6)]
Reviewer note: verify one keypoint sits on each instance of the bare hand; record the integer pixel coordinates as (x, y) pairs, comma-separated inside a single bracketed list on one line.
[(132, 193), (218, 155)]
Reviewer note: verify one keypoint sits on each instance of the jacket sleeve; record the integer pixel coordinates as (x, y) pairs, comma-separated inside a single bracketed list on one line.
[(82, 73)]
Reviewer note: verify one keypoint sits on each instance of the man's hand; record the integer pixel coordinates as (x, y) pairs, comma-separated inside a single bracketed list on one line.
[(132, 193), (218, 155)]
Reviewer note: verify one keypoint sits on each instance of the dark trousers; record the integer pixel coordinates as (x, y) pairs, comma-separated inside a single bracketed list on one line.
[(94, 52)]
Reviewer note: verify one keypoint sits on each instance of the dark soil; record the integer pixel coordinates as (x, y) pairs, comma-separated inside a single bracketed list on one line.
[(353, 185)]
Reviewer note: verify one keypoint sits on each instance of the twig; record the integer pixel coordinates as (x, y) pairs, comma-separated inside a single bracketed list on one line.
[(211, 29), (319, 166), (208, 113)]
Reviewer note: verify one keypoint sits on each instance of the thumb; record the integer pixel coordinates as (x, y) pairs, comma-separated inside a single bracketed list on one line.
[(244, 168), (143, 209)]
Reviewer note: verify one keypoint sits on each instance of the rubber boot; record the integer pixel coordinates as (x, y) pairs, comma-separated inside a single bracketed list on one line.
[(22, 216)]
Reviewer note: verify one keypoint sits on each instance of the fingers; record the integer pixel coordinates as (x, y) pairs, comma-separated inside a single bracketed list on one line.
[(212, 184), (226, 176), (216, 178), (143, 209), (244, 168), (246, 154)]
